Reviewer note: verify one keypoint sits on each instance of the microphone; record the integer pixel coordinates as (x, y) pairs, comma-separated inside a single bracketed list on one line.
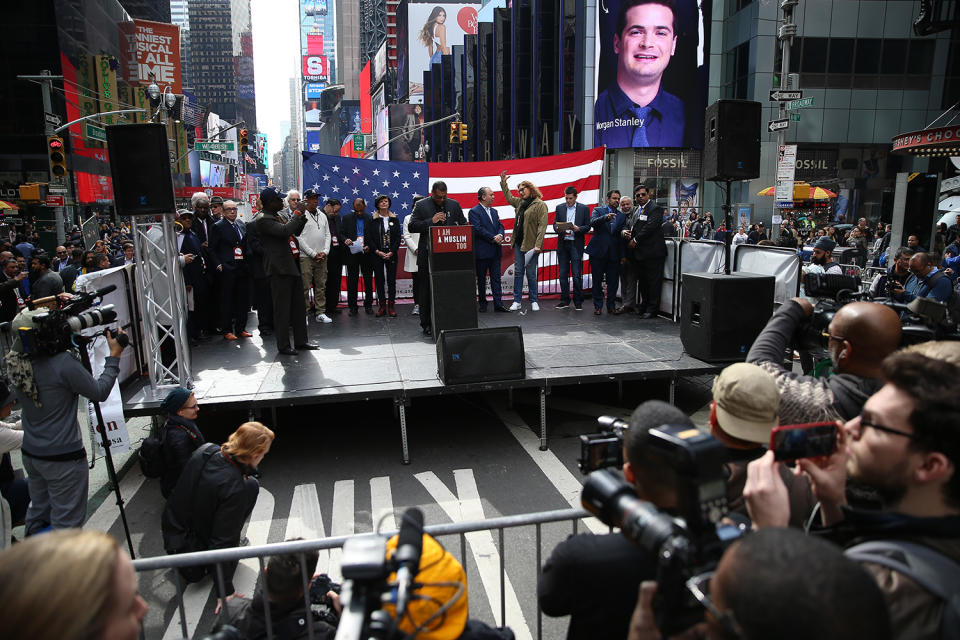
[(102, 292), (407, 556)]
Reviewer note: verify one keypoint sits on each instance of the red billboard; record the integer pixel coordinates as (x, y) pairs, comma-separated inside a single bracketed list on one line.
[(150, 48), (315, 68), (315, 44), (366, 119)]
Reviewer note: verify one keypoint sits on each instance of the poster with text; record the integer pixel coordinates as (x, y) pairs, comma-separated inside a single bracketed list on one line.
[(652, 73), (150, 51), (432, 31)]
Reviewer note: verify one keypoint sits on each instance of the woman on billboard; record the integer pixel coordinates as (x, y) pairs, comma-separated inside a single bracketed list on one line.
[(434, 34)]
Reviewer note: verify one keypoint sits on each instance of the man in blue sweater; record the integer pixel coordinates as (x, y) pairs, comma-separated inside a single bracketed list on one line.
[(927, 281), (53, 453)]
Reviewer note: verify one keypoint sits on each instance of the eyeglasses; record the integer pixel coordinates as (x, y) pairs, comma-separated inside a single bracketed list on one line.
[(191, 406), (229, 208), (827, 334), (699, 587), (864, 422)]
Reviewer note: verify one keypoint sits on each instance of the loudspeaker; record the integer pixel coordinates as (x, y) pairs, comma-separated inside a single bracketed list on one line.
[(731, 140), (140, 166), (721, 315), (466, 356), (453, 300)]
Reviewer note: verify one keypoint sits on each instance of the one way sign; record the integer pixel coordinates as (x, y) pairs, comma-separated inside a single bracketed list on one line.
[(777, 125), (778, 95)]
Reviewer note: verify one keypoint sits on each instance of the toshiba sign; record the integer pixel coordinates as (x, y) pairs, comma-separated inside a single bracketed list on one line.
[(315, 68)]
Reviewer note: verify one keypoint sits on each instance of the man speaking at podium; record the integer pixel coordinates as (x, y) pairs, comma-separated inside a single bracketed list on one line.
[(437, 210)]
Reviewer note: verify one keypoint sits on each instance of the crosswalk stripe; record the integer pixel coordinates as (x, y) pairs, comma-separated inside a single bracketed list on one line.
[(306, 521), (565, 482), (466, 506), (107, 513), (342, 523), (381, 504), (195, 596)]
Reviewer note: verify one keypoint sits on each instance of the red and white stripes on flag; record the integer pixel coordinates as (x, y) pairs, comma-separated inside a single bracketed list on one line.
[(551, 174)]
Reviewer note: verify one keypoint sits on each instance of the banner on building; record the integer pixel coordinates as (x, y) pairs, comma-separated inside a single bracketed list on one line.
[(433, 30), (315, 68), (106, 69), (151, 53)]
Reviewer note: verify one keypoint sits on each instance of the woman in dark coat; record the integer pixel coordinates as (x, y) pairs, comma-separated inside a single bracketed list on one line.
[(213, 498), (180, 434), (384, 240)]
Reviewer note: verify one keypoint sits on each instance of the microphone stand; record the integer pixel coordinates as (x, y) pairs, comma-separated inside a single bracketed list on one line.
[(82, 342)]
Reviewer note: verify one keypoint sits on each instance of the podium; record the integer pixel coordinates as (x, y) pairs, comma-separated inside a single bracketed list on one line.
[(453, 279)]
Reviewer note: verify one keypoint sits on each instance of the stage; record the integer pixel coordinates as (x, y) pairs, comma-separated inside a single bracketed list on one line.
[(365, 357)]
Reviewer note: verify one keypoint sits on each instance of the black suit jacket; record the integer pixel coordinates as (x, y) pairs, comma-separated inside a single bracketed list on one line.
[(391, 243), (648, 234), (193, 272), (223, 242), (422, 220), (348, 231), (254, 251), (581, 219), (275, 240)]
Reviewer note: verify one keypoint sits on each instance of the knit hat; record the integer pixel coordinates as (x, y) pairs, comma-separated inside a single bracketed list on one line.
[(439, 574), (175, 400), (747, 401), (825, 244)]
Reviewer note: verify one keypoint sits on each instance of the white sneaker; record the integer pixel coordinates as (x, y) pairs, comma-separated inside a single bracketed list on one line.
[(534, 306), (416, 310), (515, 306), (322, 317)]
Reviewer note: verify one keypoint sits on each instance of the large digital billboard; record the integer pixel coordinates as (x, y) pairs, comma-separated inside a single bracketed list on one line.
[(432, 31), (652, 73), (408, 120)]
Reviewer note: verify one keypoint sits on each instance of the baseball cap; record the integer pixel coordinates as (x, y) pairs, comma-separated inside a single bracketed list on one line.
[(216, 200), (270, 194), (310, 193), (747, 401)]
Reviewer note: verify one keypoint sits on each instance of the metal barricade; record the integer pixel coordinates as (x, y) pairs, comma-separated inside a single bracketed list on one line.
[(6, 342), (508, 613)]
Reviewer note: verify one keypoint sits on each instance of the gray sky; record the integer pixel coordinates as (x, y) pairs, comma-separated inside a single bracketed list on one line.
[(276, 52)]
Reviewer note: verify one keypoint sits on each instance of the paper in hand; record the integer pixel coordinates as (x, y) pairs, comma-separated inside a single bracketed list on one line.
[(356, 247), (529, 255)]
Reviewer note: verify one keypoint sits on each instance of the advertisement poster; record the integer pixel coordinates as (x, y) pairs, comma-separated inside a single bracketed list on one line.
[(652, 74), (151, 49), (684, 195), (432, 31), (406, 118)]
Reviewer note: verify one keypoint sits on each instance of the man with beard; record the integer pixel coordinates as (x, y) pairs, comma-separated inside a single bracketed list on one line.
[(861, 335), (895, 277), (905, 446), (823, 256)]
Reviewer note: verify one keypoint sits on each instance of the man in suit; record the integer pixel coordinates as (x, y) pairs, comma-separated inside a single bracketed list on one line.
[(62, 259), (228, 249), (604, 250), (188, 244), (335, 257), (650, 251), (488, 233), (261, 284), (280, 260), (201, 227), (358, 256), (628, 266), (11, 292), (437, 210), (571, 222)]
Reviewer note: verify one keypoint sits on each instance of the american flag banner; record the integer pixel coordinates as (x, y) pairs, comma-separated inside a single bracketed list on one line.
[(350, 178)]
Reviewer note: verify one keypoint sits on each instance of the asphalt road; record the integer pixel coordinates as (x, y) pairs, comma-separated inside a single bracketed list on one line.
[(336, 470)]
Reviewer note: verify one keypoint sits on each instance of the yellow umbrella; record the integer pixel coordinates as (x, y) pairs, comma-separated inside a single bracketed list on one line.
[(802, 191), (6, 205)]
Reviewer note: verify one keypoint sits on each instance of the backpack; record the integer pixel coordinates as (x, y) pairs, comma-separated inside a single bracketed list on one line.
[(150, 455), (952, 302), (930, 569)]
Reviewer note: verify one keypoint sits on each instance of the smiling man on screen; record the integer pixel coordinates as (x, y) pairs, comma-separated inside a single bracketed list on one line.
[(636, 111)]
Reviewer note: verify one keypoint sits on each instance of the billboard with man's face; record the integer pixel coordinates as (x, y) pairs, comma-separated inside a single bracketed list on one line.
[(652, 73)]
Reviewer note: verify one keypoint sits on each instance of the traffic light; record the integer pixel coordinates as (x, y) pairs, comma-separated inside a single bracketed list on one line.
[(244, 140), (463, 132), (454, 132), (58, 156)]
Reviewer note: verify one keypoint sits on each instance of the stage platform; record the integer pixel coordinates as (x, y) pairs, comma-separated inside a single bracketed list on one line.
[(365, 357)]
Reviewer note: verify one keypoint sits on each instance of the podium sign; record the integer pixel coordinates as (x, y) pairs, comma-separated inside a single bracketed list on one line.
[(451, 248)]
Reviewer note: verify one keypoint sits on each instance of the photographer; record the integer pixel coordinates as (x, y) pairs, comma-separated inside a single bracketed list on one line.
[(927, 282), (594, 578), (896, 276), (48, 387), (778, 583), (905, 447), (283, 579), (861, 335)]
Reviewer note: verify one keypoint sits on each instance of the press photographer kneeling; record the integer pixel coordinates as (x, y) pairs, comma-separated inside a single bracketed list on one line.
[(49, 377)]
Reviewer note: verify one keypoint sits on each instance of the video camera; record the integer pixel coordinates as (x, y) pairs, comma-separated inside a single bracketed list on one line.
[(54, 331), (921, 320), (603, 449), (686, 544)]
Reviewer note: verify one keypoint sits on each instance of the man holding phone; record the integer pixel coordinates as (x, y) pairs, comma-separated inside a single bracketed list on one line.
[(905, 446), (605, 250)]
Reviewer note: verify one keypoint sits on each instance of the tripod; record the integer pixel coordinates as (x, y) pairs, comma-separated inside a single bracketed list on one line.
[(82, 342)]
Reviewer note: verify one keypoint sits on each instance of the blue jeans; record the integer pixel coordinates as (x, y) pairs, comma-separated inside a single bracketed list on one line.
[(518, 271), (570, 258)]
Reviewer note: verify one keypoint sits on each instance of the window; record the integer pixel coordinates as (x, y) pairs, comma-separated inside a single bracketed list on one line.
[(737, 72), (894, 58), (868, 56), (862, 63), (814, 57), (841, 55)]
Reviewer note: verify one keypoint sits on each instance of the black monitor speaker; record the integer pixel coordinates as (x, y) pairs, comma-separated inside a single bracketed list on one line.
[(721, 315), (140, 166), (467, 356), (731, 140)]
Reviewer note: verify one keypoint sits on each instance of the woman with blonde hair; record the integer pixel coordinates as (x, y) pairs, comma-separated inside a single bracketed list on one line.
[(214, 497), (529, 229), (69, 585), (434, 34)]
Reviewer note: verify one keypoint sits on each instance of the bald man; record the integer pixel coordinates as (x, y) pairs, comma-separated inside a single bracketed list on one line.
[(861, 335)]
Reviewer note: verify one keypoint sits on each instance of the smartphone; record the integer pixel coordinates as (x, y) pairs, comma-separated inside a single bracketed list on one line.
[(796, 441)]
